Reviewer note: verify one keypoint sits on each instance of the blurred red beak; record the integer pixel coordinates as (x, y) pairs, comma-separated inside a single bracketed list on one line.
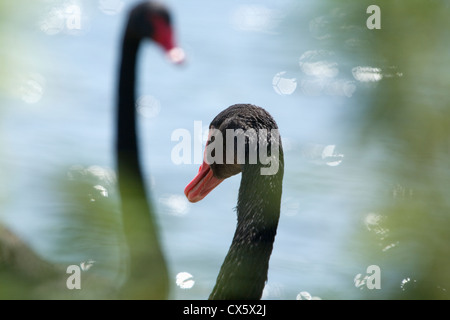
[(163, 35)]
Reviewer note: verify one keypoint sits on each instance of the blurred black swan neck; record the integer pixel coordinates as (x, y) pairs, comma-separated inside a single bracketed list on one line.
[(147, 270)]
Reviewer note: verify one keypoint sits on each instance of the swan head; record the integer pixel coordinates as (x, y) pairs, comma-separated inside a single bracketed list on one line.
[(152, 20), (236, 138)]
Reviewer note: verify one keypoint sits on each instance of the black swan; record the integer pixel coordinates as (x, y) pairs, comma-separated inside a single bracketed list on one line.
[(25, 275), (244, 272), (147, 272)]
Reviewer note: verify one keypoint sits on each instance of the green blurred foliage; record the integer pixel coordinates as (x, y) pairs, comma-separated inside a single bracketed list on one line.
[(406, 114), (84, 230), (14, 17)]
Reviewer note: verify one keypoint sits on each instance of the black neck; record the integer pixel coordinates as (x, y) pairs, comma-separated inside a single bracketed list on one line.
[(126, 116), (148, 276), (244, 271)]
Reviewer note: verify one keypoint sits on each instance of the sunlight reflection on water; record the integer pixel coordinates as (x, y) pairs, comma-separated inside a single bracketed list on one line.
[(367, 74), (148, 106), (185, 280), (283, 85), (176, 205), (320, 75), (32, 88), (319, 63), (255, 18), (322, 154), (305, 295)]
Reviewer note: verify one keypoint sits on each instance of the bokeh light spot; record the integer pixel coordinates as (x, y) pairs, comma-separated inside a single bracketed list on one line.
[(148, 106), (184, 280), (282, 85)]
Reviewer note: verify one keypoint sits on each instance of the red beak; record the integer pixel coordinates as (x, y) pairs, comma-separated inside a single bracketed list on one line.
[(203, 183), (164, 36)]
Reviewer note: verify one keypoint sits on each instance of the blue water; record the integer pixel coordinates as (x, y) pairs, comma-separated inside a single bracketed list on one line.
[(57, 113)]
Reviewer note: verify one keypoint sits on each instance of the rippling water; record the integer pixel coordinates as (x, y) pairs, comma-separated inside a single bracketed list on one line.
[(58, 94)]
